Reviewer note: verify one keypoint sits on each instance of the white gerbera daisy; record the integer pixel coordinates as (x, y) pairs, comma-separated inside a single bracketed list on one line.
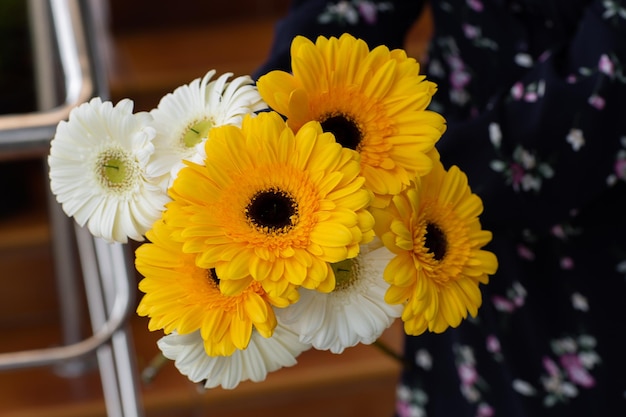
[(184, 117), (98, 163), (355, 312), (262, 356)]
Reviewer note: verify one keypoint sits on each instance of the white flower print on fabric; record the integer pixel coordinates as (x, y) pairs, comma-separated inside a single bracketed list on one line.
[(424, 359), (566, 371), (474, 32), (613, 10), (523, 60), (495, 134), (579, 302), (472, 385), (410, 401), (460, 75), (523, 388), (514, 298), (556, 387), (576, 138), (608, 66), (524, 172), (570, 371), (353, 12)]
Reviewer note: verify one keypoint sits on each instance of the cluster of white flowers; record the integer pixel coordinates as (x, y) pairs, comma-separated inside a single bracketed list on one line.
[(110, 168)]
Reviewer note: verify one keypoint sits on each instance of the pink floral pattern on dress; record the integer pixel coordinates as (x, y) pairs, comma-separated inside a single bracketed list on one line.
[(497, 80)]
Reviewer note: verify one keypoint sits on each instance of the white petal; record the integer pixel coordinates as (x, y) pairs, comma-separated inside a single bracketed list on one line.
[(254, 363), (98, 128), (347, 316), (220, 101)]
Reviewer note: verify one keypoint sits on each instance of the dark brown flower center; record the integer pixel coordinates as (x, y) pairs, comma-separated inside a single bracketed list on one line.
[(345, 129), (273, 209), (436, 242), (213, 276)]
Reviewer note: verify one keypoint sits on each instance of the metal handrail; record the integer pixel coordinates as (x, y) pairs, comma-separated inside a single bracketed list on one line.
[(122, 306), (18, 132), (25, 130)]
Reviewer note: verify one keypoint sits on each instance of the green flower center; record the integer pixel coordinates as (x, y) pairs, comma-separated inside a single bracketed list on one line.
[(196, 133), (346, 130), (115, 171), (116, 168), (435, 241), (273, 210), (345, 273)]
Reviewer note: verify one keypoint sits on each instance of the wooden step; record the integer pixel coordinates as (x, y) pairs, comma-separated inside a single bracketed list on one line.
[(360, 382), (147, 65), (144, 65)]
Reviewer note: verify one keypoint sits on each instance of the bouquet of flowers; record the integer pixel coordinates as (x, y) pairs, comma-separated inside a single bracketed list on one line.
[(308, 210)]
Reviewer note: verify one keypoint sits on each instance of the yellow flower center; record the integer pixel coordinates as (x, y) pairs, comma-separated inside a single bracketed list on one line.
[(196, 133)]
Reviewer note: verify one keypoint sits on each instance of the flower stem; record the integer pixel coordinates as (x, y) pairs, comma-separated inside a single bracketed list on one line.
[(390, 352), (153, 368)]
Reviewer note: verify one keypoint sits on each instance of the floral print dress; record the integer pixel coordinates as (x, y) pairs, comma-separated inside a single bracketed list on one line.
[(534, 92)]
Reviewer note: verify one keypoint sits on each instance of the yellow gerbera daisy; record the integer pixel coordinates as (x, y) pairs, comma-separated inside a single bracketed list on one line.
[(272, 205), (182, 297), (434, 230), (372, 101)]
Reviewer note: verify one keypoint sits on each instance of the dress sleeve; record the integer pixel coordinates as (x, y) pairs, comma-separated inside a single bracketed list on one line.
[(376, 22), (555, 143)]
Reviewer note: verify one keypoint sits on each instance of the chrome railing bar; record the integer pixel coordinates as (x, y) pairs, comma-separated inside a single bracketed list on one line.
[(125, 385), (120, 312), (23, 129), (76, 58), (62, 232), (95, 261)]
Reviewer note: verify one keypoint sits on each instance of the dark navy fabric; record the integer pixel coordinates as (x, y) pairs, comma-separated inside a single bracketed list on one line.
[(534, 93)]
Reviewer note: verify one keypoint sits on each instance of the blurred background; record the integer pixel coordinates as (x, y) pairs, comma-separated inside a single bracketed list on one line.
[(144, 49)]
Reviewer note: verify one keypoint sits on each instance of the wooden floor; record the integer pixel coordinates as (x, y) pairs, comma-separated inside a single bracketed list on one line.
[(144, 65), (357, 383), (360, 382)]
